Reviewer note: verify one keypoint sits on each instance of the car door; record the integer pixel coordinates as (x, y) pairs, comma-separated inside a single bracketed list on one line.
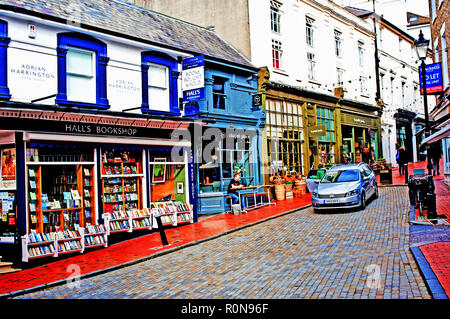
[(366, 182), (371, 175)]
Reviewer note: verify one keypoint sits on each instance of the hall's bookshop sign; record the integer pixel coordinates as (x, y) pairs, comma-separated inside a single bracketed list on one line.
[(193, 78), (433, 75)]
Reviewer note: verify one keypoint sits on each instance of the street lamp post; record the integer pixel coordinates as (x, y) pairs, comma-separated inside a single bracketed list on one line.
[(421, 45)]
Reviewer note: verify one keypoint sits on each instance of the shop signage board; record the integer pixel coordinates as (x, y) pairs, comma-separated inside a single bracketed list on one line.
[(193, 78), (433, 74), (316, 131), (90, 129), (353, 120)]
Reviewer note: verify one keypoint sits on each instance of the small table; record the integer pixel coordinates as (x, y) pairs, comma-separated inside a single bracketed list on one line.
[(254, 194)]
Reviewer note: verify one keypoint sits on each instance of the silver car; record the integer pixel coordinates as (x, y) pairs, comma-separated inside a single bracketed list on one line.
[(345, 186)]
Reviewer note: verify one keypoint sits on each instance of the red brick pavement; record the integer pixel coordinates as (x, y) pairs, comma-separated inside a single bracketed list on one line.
[(438, 256), (141, 247)]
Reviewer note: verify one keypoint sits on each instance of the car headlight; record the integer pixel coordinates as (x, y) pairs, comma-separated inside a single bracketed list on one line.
[(352, 193), (314, 194)]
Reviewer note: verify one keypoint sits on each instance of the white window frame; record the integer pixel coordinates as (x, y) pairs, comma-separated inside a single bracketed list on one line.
[(311, 57), (309, 31), (275, 16), (340, 77), (338, 43), (88, 97), (361, 52), (159, 107), (363, 84), (277, 54)]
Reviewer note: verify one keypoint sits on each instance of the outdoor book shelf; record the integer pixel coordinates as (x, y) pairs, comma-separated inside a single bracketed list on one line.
[(41, 244)]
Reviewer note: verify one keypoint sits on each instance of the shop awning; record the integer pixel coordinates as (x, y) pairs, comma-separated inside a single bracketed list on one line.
[(442, 133)]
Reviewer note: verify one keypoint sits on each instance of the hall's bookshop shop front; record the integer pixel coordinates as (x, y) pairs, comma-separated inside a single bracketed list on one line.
[(79, 194)]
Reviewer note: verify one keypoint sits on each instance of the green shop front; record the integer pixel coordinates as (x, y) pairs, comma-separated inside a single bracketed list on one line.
[(360, 137)]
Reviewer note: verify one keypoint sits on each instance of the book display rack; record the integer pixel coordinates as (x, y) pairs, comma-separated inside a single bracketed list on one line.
[(88, 195), (94, 236), (173, 213)]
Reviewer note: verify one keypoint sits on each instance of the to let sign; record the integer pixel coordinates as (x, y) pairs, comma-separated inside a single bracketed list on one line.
[(193, 78), (433, 74)]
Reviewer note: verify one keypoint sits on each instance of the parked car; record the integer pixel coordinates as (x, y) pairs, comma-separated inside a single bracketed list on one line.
[(345, 186), (313, 178)]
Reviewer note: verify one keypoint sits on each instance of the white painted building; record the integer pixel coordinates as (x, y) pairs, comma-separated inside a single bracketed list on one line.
[(403, 114), (315, 45)]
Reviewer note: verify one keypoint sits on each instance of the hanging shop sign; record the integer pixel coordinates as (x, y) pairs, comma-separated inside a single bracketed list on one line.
[(433, 75), (316, 131), (256, 100), (193, 78)]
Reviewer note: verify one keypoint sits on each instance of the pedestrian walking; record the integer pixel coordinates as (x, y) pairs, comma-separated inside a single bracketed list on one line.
[(435, 154), (402, 160)]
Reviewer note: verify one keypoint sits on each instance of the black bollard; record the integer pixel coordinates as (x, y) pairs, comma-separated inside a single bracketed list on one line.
[(161, 230), (405, 170), (431, 199)]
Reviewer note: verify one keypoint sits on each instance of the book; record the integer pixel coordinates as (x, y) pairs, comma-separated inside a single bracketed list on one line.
[(33, 219), (31, 173), (44, 197), (67, 196), (86, 172), (33, 196), (32, 207), (56, 204), (75, 194), (32, 184)]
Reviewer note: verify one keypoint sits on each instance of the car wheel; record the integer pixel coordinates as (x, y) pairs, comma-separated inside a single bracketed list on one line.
[(363, 201)]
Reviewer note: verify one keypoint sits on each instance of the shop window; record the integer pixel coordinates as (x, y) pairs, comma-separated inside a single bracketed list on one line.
[(4, 43), (160, 77), (277, 54), (82, 65), (60, 187), (219, 93), (217, 169), (167, 178), (326, 147), (122, 175)]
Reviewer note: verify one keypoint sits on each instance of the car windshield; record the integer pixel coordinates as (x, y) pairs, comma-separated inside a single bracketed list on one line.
[(341, 176), (316, 173)]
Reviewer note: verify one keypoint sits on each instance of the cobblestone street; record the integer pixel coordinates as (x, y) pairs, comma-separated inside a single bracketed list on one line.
[(351, 255)]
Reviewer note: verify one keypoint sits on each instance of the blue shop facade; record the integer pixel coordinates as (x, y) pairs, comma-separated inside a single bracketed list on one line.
[(228, 139)]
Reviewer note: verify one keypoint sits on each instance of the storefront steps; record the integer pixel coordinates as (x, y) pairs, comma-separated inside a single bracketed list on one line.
[(5, 267)]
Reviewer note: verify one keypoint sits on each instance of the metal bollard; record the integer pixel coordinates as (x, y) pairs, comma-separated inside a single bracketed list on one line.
[(161, 230), (431, 206), (405, 170)]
